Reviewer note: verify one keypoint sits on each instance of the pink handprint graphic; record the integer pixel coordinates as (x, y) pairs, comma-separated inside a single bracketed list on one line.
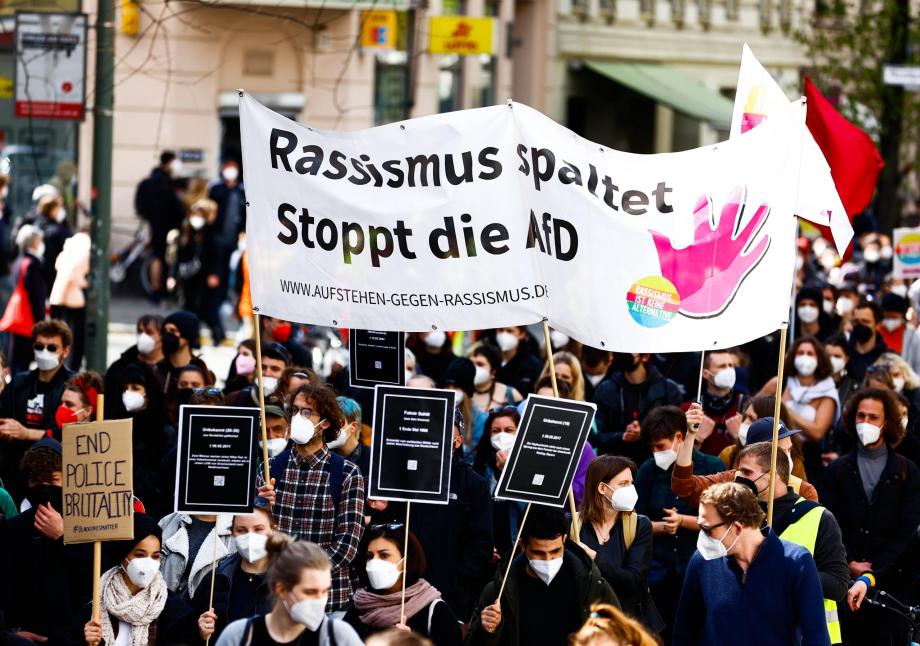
[(708, 273)]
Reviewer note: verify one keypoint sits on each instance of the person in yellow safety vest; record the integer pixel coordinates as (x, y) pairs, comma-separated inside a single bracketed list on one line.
[(797, 520)]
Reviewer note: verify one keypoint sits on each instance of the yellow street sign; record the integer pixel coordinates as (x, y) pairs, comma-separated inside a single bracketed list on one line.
[(461, 35)]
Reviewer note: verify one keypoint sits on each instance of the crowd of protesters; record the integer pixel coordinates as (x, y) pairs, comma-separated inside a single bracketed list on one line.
[(672, 487)]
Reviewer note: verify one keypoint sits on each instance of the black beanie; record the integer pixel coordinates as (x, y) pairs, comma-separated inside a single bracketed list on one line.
[(188, 325), (460, 373), (894, 303), (809, 294), (114, 552)]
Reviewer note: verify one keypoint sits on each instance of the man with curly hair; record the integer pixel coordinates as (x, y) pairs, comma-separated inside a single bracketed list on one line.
[(317, 495), (875, 495)]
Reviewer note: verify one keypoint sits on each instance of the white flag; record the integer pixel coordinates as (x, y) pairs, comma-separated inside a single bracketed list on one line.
[(758, 96)]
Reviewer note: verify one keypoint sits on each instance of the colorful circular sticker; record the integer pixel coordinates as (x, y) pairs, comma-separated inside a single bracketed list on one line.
[(653, 301), (908, 249)]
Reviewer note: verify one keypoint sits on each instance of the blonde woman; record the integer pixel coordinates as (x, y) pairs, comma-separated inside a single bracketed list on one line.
[(568, 369), (609, 626)]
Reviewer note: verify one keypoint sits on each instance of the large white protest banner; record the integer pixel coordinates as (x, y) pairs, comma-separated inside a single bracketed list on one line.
[(758, 97), (499, 216)]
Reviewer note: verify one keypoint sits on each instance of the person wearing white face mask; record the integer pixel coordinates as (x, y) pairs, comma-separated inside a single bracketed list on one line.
[(275, 359), (810, 317), (489, 392), (317, 495), (348, 442), (901, 338), (299, 578), (136, 603), (673, 520), (549, 591), (377, 606), (433, 353), (146, 350), (874, 492), (720, 400), (52, 220), (240, 589), (201, 267), (30, 401), (520, 367), (617, 538), (810, 396), (738, 567), (229, 223)]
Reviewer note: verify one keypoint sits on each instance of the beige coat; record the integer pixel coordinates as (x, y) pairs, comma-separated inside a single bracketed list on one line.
[(72, 266)]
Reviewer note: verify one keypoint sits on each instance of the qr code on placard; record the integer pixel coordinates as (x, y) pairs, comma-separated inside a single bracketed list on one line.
[(538, 479), (378, 365), (219, 481)]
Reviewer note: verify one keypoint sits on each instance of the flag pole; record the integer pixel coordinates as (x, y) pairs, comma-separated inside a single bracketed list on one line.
[(575, 530), (258, 338), (405, 554), (511, 555), (97, 545), (776, 412)]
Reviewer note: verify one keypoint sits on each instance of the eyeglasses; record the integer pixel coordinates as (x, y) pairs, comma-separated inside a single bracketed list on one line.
[(708, 530), (393, 527), (502, 409), (293, 411), (52, 347), (206, 391)]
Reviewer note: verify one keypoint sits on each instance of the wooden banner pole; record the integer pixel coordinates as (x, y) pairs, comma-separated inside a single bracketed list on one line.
[(97, 545), (511, 556), (405, 556), (213, 572), (575, 530), (776, 411), (258, 338)]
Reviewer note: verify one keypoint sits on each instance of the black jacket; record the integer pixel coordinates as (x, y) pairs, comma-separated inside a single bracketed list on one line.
[(878, 531), (44, 581), (157, 202), (612, 416), (830, 555), (56, 235), (591, 588), (521, 372), (13, 404), (223, 588), (457, 537), (627, 570), (226, 232)]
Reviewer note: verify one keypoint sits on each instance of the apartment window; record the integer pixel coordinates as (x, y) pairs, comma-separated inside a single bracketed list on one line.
[(608, 9), (487, 80), (450, 83), (389, 87)]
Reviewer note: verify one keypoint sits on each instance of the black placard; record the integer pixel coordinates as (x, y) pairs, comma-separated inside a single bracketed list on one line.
[(412, 444), (216, 459), (549, 444), (376, 357)]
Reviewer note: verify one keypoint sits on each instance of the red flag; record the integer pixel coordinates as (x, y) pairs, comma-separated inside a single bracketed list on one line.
[(855, 163)]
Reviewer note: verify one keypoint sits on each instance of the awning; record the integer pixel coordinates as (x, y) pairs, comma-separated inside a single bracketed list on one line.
[(671, 87)]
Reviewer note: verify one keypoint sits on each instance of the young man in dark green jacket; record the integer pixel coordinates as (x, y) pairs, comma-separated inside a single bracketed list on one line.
[(553, 583)]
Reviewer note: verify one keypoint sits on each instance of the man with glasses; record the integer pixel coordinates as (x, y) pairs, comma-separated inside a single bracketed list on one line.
[(316, 494), (747, 584), (28, 403)]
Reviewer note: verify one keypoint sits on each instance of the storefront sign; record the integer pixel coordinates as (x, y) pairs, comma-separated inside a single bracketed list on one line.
[(461, 35)]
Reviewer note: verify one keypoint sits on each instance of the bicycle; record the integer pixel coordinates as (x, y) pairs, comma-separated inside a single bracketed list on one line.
[(910, 614), (131, 265)]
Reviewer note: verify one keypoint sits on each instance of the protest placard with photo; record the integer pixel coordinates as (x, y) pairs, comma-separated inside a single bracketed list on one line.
[(216, 459), (98, 484), (546, 451), (376, 357), (412, 444)]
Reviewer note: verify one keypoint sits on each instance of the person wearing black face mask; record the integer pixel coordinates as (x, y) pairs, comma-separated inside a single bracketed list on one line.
[(44, 580), (634, 389), (179, 335), (866, 345)]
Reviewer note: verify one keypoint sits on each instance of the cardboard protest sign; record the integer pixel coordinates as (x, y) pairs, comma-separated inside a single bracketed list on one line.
[(907, 253), (376, 357), (548, 446), (412, 444), (98, 481), (480, 218), (216, 459)]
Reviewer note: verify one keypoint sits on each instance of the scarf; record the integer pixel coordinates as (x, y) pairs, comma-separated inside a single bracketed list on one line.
[(139, 610), (802, 396), (382, 610)]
